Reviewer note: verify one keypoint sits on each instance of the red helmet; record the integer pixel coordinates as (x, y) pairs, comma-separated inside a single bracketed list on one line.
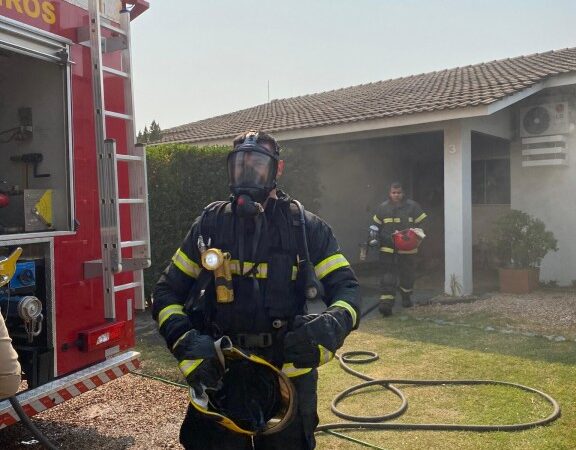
[(4, 200), (408, 239)]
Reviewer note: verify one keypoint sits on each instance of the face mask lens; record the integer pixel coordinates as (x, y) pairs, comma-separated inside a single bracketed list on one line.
[(251, 168)]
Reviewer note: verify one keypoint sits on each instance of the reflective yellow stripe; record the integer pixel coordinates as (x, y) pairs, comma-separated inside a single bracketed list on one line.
[(387, 249), (377, 220), (408, 252), (421, 217), (405, 290), (290, 371), (410, 219), (347, 307), (387, 297), (170, 310), (397, 220), (179, 339), (330, 264), (185, 264), (325, 355), (388, 220), (262, 271), (186, 366), (222, 420)]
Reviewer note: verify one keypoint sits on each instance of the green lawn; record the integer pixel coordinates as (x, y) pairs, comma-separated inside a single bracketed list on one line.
[(411, 349), (416, 349)]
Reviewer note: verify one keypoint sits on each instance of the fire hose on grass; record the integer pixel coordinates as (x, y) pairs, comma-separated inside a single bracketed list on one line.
[(378, 422)]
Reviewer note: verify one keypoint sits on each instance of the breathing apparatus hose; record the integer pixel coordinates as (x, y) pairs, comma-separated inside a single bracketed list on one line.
[(30, 425)]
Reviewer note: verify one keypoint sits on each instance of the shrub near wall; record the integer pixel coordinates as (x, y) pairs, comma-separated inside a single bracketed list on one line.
[(183, 179)]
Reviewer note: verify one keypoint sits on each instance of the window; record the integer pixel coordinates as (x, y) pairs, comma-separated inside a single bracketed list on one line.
[(491, 182)]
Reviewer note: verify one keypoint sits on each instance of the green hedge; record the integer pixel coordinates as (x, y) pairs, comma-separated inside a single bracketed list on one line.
[(183, 179)]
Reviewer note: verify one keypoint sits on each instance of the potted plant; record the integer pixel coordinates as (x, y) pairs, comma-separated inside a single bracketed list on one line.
[(520, 242)]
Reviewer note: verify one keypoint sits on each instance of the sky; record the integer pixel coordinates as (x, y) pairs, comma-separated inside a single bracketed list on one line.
[(196, 59)]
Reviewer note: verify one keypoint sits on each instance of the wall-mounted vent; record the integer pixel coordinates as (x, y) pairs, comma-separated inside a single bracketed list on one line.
[(544, 151), (545, 120)]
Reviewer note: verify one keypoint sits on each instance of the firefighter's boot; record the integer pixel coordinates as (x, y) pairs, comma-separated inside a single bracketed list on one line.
[(385, 307), (406, 300)]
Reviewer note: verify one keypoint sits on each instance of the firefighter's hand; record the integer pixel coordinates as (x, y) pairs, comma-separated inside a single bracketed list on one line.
[(316, 337), (198, 360), (206, 375)]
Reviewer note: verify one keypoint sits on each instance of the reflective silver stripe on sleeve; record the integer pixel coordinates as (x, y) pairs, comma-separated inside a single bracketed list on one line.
[(186, 366), (420, 218), (170, 310), (185, 264), (330, 264), (347, 307), (325, 355)]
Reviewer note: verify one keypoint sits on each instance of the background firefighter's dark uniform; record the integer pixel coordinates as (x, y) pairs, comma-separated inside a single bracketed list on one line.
[(270, 294), (397, 266)]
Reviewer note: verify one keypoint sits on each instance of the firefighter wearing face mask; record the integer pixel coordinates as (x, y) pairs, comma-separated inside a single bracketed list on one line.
[(397, 231), (268, 257)]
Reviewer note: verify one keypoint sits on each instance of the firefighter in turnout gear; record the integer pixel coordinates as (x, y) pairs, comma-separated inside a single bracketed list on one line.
[(397, 230), (269, 256)]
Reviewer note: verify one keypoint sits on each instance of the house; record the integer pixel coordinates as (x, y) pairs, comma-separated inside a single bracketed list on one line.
[(470, 143)]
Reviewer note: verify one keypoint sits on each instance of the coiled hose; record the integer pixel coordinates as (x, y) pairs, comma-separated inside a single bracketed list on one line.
[(376, 422)]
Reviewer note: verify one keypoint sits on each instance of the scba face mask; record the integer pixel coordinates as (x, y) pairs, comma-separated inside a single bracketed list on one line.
[(252, 170)]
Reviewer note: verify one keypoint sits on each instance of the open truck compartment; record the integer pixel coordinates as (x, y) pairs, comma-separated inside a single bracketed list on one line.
[(73, 196)]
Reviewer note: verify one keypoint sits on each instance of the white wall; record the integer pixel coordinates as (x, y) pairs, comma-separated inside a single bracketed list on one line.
[(549, 193)]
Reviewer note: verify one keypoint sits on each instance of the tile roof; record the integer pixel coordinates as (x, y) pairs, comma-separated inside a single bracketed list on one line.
[(461, 87)]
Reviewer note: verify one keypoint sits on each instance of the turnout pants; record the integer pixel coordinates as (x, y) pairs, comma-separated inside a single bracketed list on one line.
[(199, 433), (397, 272), (9, 366)]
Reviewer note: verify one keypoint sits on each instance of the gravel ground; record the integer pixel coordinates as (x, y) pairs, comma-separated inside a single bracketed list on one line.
[(140, 413), (131, 412), (540, 312)]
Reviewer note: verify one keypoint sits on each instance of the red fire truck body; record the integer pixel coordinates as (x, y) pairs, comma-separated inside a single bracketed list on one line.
[(73, 195)]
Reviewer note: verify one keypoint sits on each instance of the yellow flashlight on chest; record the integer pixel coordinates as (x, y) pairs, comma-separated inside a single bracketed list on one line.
[(218, 262)]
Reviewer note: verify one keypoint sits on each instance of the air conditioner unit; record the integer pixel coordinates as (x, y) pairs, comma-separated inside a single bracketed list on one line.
[(544, 120)]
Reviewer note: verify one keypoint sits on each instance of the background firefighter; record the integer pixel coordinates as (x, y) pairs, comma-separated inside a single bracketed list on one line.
[(263, 310), (397, 266)]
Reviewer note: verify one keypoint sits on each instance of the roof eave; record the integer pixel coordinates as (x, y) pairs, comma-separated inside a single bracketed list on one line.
[(407, 119)]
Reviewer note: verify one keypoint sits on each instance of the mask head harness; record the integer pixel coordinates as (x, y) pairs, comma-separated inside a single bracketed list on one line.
[(252, 171)]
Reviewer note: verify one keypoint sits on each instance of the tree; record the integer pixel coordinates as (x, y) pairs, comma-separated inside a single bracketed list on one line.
[(153, 134)]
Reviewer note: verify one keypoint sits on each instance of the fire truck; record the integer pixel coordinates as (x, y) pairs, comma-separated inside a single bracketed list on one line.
[(73, 196)]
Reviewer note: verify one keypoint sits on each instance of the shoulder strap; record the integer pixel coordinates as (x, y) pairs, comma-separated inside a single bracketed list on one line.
[(211, 215), (299, 221)]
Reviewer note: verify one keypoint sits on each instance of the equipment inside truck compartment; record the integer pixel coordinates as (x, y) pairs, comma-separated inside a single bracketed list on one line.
[(26, 304), (34, 145)]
